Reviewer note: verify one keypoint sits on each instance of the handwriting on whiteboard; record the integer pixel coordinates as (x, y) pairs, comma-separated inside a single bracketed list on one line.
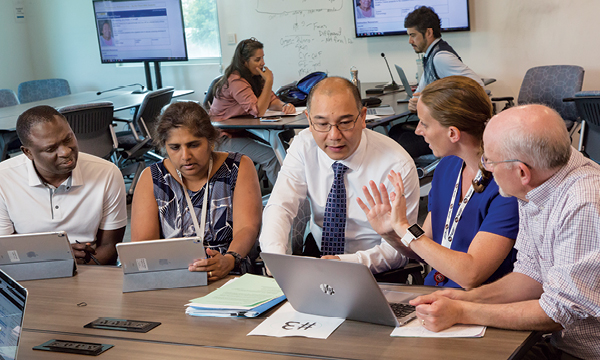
[(306, 37)]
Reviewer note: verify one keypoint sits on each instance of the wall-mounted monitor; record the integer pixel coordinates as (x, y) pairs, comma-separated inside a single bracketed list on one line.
[(386, 17), (140, 30)]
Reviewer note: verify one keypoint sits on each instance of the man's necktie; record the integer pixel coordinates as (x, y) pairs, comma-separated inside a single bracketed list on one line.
[(334, 218)]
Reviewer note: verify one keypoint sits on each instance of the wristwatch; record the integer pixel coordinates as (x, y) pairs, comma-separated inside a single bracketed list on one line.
[(412, 233), (236, 257)]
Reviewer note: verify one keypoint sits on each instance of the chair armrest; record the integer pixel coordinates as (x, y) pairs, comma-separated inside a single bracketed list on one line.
[(506, 98), (113, 135), (129, 153)]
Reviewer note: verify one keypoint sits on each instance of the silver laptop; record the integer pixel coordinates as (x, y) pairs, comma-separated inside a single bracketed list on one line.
[(161, 264), (12, 309), (384, 110), (407, 88), (338, 289), (37, 256)]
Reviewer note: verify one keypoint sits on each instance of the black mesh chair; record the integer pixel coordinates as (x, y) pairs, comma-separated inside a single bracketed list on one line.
[(588, 108), (209, 95), (10, 141), (93, 128), (136, 143)]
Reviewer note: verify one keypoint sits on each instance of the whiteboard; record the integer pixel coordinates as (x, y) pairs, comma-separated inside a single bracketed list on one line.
[(302, 36)]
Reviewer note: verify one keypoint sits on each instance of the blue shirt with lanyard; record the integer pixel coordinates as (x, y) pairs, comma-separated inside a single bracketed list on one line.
[(487, 211)]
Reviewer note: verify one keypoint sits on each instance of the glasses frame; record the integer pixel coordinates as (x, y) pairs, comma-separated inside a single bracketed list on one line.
[(488, 167), (246, 42), (332, 125)]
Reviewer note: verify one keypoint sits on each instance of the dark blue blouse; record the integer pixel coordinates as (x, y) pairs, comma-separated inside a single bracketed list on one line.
[(487, 211)]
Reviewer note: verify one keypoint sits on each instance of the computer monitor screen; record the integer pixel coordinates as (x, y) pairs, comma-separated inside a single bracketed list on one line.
[(386, 17), (140, 30)]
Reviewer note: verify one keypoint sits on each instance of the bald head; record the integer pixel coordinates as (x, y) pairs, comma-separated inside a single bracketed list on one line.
[(334, 85), (535, 134)]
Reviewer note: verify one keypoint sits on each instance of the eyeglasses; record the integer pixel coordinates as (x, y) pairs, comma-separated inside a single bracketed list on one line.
[(488, 164), (341, 126), (246, 42)]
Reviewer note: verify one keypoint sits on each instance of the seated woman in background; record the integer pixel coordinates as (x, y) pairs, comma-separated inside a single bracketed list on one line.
[(470, 229), (233, 205), (246, 89)]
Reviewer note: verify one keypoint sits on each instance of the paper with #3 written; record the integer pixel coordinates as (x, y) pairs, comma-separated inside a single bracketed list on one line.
[(415, 329), (288, 322)]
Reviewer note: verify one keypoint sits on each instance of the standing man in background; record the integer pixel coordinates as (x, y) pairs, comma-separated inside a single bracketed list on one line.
[(423, 26)]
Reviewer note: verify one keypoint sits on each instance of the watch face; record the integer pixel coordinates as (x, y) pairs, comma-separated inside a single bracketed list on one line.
[(416, 231)]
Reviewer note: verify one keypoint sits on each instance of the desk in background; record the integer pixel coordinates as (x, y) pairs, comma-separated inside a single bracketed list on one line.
[(121, 100), (53, 312)]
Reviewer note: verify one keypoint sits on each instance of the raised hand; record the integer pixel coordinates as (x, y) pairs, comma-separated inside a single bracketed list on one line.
[(398, 219), (379, 208)]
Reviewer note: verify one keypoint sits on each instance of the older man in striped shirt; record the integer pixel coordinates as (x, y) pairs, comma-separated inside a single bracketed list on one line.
[(555, 286)]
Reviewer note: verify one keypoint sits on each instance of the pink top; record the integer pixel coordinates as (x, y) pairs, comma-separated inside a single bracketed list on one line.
[(235, 100)]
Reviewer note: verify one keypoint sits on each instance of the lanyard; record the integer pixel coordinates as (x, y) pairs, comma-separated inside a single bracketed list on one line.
[(450, 230), (199, 228)]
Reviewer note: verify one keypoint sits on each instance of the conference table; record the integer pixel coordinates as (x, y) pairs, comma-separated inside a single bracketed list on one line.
[(121, 100), (59, 308), (270, 131)]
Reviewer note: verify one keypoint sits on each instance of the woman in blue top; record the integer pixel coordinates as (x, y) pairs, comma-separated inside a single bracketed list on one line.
[(225, 184), (471, 229)]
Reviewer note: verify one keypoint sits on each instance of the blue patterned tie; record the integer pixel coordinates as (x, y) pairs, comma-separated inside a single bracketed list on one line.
[(334, 218)]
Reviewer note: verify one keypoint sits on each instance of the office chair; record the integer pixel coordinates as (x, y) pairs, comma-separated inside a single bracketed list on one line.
[(36, 90), (209, 95), (136, 143), (10, 140), (8, 98), (93, 128), (549, 85), (587, 104)]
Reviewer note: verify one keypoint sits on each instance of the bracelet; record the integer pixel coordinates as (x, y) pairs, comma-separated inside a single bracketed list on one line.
[(236, 257)]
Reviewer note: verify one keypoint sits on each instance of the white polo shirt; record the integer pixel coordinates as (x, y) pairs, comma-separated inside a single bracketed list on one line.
[(92, 198)]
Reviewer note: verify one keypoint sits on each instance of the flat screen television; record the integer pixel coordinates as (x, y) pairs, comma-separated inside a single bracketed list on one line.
[(386, 17), (140, 30)]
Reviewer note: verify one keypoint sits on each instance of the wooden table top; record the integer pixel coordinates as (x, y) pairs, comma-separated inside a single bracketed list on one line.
[(53, 306)]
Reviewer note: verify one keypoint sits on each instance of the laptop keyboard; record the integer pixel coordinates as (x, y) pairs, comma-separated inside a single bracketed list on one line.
[(401, 310)]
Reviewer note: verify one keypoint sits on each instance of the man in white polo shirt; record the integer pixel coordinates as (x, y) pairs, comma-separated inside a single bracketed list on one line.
[(53, 187)]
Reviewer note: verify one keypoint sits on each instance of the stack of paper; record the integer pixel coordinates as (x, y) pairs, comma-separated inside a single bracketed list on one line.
[(249, 296)]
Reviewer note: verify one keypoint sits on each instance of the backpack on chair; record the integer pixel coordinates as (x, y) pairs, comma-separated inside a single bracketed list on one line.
[(296, 93)]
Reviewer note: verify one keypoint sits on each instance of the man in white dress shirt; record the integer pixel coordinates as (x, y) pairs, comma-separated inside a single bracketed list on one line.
[(337, 134)]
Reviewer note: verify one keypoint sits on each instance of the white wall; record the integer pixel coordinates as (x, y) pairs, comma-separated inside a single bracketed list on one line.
[(15, 55), (507, 37)]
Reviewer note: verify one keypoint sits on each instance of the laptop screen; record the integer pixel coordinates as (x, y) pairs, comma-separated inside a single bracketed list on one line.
[(12, 308)]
